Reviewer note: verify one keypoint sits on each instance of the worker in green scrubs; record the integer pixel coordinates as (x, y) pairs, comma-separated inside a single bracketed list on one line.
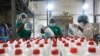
[(56, 30), (20, 30)]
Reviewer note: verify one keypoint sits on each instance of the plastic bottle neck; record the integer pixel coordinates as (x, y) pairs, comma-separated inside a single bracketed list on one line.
[(37, 55), (19, 55)]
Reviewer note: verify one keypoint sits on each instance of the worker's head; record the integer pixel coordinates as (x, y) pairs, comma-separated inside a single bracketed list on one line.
[(52, 22), (22, 16), (82, 20)]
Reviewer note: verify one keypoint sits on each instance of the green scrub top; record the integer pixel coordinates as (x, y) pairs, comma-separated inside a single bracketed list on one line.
[(56, 30), (23, 32)]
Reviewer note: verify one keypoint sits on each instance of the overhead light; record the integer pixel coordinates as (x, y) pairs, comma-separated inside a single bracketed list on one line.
[(85, 6), (50, 6)]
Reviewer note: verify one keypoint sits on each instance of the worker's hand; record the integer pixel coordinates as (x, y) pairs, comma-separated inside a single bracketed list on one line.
[(16, 30), (75, 25)]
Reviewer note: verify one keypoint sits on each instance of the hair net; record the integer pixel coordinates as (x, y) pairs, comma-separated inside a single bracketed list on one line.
[(83, 19), (22, 15)]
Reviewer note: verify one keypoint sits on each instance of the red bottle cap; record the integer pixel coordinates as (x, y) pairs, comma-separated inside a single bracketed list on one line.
[(41, 45), (76, 38), (19, 42), (68, 39), (36, 51), (66, 45), (81, 40), (73, 50), (91, 43), (54, 45), (55, 52), (91, 39), (78, 44), (36, 42), (92, 49), (54, 41), (46, 42), (11, 41), (28, 42), (28, 45), (2, 51), (17, 46), (5, 45), (31, 40), (72, 41), (63, 41), (18, 52)]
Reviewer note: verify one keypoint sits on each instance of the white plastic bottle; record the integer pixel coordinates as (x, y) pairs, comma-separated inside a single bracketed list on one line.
[(10, 43), (65, 49), (80, 49), (98, 50), (42, 49), (91, 44), (22, 45), (6, 47), (28, 50), (47, 47), (36, 44), (61, 45), (1, 43), (17, 46), (73, 52), (18, 52), (36, 52), (2, 52), (91, 52), (55, 52), (72, 43), (92, 40)]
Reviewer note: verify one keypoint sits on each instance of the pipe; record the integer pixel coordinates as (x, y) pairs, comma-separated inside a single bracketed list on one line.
[(13, 17), (94, 10)]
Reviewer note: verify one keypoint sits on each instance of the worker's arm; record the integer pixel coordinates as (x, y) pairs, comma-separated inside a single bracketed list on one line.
[(49, 31), (18, 29)]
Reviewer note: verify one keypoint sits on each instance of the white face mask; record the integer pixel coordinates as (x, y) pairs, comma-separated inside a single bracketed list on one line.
[(52, 24), (81, 25)]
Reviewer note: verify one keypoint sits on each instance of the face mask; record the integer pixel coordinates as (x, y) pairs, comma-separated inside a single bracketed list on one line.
[(81, 25), (52, 24)]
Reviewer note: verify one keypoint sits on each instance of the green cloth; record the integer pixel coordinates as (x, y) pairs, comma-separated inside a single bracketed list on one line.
[(56, 30), (23, 32)]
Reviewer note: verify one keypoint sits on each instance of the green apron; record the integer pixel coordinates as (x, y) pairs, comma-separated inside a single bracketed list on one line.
[(56, 30), (22, 33)]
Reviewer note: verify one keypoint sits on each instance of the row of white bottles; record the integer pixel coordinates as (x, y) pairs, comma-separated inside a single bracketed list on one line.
[(50, 47)]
